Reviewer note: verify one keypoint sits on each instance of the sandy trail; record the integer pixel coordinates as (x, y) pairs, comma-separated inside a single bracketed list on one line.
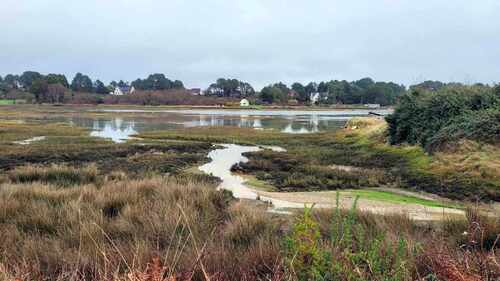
[(326, 199)]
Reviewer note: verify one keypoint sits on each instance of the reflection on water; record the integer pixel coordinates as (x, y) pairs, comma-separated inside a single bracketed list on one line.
[(285, 124), (119, 129), (116, 130), (130, 122)]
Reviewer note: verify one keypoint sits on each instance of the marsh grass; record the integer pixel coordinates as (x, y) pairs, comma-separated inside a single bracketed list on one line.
[(72, 146), (11, 131), (135, 160), (60, 175), (166, 228), (121, 227), (471, 173), (467, 250)]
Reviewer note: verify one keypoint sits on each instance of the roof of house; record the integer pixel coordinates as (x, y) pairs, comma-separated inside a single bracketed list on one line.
[(124, 88)]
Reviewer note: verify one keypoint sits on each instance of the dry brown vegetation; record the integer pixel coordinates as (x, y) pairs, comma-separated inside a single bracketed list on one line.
[(161, 228), (166, 228), (116, 231)]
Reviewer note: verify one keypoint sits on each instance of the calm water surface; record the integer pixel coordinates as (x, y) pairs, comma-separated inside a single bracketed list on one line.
[(130, 121)]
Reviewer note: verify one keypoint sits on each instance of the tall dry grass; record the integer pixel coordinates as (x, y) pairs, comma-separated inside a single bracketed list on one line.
[(121, 229), (61, 175), (166, 228)]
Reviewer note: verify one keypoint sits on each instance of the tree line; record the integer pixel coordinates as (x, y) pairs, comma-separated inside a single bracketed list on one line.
[(53, 87), (363, 91), (56, 88), (329, 92)]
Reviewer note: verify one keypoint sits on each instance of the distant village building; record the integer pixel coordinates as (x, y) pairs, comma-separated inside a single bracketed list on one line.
[(314, 97), (317, 96), (372, 105), (244, 103), (120, 91), (19, 85), (195, 91)]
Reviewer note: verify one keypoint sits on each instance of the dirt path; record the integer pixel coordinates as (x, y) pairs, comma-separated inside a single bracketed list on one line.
[(326, 199)]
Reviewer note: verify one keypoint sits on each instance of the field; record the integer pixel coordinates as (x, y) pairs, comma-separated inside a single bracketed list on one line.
[(75, 207)]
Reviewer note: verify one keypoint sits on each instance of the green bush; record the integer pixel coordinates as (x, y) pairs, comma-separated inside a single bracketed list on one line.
[(352, 251), (306, 259), (420, 116), (482, 125)]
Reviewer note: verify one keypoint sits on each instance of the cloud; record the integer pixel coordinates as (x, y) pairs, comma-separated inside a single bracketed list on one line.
[(260, 41)]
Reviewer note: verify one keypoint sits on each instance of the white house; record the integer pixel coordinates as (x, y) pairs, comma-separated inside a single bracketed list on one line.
[(317, 96), (372, 105), (314, 98), (120, 91), (19, 85), (244, 103)]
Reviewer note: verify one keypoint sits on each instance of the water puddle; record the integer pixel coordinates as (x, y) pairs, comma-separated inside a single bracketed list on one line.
[(31, 140)]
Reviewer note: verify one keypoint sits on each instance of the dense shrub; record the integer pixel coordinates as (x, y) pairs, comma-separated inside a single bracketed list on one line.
[(420, 115), (482, 125)]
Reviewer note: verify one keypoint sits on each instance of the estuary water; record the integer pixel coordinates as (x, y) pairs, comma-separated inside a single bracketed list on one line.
[(119, 125)]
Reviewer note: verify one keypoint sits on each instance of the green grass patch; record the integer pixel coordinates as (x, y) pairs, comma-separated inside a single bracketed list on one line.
[(386, 196), (7, 102), (259, 184)]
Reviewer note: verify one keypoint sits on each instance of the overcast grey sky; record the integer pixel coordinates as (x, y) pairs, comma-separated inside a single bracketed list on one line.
[(259, 41)]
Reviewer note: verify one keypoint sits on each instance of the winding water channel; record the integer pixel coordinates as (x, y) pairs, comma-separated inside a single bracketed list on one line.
[(224, 156), (222, 159)]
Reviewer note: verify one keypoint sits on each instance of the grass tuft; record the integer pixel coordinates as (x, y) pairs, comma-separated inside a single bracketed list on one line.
[(60, 175)]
